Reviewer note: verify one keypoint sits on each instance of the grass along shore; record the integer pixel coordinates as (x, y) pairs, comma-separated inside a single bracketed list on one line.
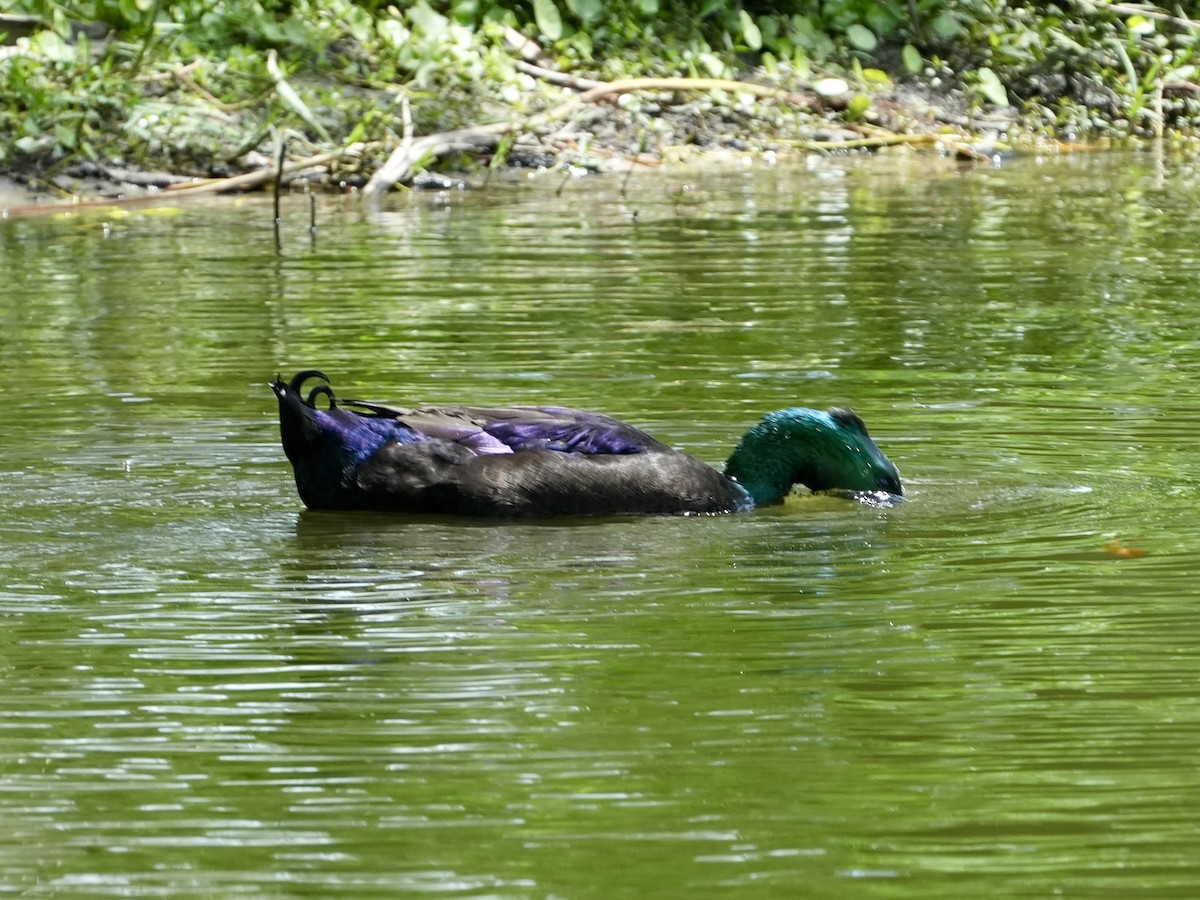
[(110, 97)]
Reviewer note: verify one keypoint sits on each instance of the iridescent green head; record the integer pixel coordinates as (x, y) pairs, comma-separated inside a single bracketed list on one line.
[(820, 450)]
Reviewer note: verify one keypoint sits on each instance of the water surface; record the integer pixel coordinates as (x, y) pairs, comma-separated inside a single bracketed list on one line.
[(206, 691)]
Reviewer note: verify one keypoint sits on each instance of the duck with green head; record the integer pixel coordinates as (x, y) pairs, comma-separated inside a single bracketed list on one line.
[(554, 461)]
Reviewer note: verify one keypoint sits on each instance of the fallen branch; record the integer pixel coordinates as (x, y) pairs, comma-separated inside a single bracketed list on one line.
[(553, 76), (530, 52), (531, 63), (402, 162), (185, 78), (527, 47), (246, 181), (627, 85), (400, 165), (250, 180), (1124, 9)]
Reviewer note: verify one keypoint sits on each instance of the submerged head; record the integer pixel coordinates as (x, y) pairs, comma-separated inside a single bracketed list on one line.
[(821, 450)]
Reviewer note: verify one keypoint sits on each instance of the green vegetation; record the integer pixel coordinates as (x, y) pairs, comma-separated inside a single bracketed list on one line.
[(193, 85)]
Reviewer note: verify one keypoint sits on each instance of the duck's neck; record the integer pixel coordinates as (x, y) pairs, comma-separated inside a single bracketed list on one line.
[(764, 464)]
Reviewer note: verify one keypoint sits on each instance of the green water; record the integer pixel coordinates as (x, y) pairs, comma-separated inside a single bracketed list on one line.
[(206, 692)]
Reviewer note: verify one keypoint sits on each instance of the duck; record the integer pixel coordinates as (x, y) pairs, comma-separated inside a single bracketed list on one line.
[(552, 461)]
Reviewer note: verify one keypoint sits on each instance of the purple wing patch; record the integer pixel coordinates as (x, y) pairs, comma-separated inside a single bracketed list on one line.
[(490, 431), (588, 438)]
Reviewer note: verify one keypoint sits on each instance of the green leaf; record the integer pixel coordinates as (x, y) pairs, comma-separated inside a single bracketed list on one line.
[(750, 32), (52, 47), (549, 21), (588, 11), (65, 137), (945, 25), (769, 29), (990, 84), (427, 21), (274, 34), (876, 76), (882, 18), (358, 23), (862, 37), (858, 105), (358, 132), (713, 64), (912, 59), (392, 32)]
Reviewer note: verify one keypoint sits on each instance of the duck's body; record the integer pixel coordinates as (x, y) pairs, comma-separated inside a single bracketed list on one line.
[(554, 461)]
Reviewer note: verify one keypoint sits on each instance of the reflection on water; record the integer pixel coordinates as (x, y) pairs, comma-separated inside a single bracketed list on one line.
[(208, 692)]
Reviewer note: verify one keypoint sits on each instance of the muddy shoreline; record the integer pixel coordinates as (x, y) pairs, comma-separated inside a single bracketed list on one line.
[(641, 129)]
